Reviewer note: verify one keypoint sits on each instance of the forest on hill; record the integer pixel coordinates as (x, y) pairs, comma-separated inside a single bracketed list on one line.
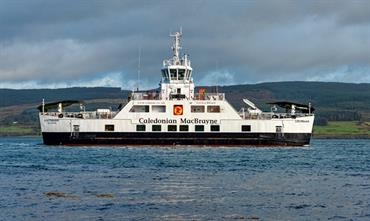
[(332, 101), (12, 97)]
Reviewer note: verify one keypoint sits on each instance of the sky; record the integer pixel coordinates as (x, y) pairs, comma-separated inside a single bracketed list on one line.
[(57, 44)]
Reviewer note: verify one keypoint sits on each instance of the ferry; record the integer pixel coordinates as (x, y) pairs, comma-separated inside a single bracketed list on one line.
[(176, 114)]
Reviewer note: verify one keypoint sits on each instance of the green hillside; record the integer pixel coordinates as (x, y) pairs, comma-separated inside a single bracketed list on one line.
[(11, 97), (332, 101), (344, 96)]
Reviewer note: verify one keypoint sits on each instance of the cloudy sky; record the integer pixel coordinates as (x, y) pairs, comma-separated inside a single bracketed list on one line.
[(51, 44)]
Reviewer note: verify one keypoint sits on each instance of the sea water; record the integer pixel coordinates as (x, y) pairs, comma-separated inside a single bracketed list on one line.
[(329, 180)]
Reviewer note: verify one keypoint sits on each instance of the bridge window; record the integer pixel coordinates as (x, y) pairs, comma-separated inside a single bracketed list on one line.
[(140, 108), (173, 73), (188, 74), (165, 74), (213, 109), (172, 128), (181, 74), (246, 127), (156, 128), (197, 109), (109, 127), (140, 127)]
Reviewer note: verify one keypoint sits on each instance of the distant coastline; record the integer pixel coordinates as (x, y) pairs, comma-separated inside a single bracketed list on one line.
[(342, 109), (344, 137), (343, 130)]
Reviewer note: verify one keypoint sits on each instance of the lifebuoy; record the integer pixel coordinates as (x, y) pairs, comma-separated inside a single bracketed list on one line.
[(178, 110), (60, 115)]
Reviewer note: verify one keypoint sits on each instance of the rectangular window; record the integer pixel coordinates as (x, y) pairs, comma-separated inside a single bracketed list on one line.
[(173, 73), (181, 74), (172, 128), (109, 127), (197, 109), (278, 129), (76, 128), (215, 127), (165, 74), (156, 128), (158, 108), (246, 127), (140, 128), (140, 108), (199, 127), (213, 109), (184, 127), (188, 74)]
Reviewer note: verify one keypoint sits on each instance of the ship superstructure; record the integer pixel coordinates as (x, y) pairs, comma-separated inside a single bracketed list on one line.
[(177, 115)]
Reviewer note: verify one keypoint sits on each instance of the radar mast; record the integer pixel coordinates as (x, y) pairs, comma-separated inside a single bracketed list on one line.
[(176, 46)]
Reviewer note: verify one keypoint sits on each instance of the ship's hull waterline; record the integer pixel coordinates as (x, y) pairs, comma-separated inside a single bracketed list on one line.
[(181, 139)]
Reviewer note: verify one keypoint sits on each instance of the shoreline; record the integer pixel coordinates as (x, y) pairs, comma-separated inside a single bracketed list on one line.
[(340, 137)]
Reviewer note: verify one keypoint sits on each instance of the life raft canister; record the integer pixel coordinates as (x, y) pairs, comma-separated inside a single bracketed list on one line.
[(178, 110)]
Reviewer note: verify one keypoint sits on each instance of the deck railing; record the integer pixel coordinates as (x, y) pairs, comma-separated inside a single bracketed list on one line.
[(83, 115), (145, 96), (157, 96), (270, 115), (209, 96)]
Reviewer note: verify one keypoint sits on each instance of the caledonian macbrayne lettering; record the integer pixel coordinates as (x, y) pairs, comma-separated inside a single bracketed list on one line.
[(175, 121)]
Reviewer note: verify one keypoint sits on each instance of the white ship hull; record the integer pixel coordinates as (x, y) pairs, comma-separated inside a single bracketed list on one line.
[(176, 115), (221, 128)]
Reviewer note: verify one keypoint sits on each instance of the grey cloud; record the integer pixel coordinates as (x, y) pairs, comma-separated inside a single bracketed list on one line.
[(252, 41)]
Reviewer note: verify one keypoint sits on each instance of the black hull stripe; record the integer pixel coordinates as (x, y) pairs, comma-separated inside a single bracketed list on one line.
[(152, 138)]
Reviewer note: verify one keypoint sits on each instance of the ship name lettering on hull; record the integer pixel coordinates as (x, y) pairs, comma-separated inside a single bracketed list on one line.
[(197, 121), (175, 121), (302, 121)]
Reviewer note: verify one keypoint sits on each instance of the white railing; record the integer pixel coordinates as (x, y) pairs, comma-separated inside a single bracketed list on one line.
[(145, 96), (170, 62), (210, 96), (83, 115), (269, 115), (156, 96)]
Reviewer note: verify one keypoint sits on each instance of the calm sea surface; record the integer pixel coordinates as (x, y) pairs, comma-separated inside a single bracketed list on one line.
[(330, 180)]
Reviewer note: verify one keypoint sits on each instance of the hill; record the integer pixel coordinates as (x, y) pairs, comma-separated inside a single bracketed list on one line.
[(11, 97), (333, 101)]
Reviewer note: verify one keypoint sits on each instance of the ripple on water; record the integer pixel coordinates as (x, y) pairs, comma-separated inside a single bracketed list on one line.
[(326, 181)]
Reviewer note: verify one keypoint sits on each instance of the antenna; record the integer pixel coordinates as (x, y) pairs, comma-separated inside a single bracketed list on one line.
[(218, 77), (176, 47), (138, 69), (43, 106)]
